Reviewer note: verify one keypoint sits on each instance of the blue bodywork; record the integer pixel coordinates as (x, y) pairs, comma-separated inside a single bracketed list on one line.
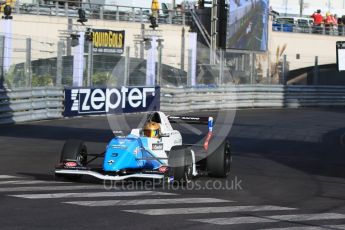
[(129, 152)]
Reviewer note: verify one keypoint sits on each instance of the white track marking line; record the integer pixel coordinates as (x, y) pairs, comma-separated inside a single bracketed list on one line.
[(234, 220), (50, 188), (148, 202), (277, 218), (90, 195), (200, 210), (27, 182), (308, 217), (323, 227), (7, 177)]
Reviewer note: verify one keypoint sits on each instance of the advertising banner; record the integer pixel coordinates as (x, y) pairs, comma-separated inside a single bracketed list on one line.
[(78, 61), (95, 101), (108, 41), (340, 46)]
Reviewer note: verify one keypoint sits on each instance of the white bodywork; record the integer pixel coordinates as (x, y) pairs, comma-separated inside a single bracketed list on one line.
[(169, 138)]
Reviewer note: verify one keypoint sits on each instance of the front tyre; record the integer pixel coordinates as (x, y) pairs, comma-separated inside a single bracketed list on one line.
[(73, 151), (219, 162), (181, 164)]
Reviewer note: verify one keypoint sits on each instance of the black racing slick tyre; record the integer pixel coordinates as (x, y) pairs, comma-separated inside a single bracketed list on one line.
[(73, 151), (219, 162), (181, 164)]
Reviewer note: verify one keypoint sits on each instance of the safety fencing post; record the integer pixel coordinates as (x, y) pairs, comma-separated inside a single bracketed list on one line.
[(60, 47), (27, 64), (90, 64), (189, 73), (221, 67), (2, 51), (127, 65), (316, 71)]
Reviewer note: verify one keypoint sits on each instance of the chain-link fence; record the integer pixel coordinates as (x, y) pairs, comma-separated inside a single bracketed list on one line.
[(27, 61), (32, 62)]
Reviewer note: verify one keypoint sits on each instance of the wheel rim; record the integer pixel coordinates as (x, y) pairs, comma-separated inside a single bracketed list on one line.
[(188, 171), (81, 157), (227, 159)]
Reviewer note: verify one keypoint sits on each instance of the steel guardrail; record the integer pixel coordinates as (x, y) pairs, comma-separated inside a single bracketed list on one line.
[(21, 105), (250, 96)]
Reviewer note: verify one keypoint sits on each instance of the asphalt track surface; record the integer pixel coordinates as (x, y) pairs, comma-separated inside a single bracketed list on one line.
[(288, 172)]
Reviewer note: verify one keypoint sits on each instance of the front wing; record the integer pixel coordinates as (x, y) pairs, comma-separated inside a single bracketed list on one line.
[(159, 173), (103, 176)]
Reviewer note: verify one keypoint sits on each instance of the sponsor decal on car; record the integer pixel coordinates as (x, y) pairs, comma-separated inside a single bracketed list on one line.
[(71, 164), (157, 146), (119, 146), (163, 169), (136, 151)]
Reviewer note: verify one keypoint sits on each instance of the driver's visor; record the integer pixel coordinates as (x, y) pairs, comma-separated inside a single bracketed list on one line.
[(151, 133)]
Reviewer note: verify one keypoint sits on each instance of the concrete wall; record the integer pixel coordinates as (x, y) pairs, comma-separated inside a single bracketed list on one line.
[(306, 45)]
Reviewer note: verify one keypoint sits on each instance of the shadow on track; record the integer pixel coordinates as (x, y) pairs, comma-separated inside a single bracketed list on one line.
[(324, 158)]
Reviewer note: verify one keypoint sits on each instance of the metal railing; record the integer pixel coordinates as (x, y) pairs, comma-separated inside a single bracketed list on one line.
[(250, 96), (338, 30), (102, 11)]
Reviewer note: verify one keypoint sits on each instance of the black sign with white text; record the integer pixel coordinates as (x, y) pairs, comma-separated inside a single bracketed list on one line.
[(92, 101)]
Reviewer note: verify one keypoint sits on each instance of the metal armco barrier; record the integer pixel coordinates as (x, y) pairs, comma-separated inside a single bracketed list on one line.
[(250, 96), (21, 105), (46, 103)]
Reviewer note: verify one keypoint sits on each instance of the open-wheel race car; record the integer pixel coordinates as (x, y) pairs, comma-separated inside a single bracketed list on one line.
[(155, 151)]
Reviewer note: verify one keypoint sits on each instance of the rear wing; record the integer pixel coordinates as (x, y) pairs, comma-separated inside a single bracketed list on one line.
[(196, 120), (192, 120)]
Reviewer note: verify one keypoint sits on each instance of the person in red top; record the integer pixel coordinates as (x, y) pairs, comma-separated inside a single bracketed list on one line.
[(318, 18), (318, 21), (329, 22)]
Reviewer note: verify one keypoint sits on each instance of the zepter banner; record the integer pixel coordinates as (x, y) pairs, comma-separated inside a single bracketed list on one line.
[(92, 101)]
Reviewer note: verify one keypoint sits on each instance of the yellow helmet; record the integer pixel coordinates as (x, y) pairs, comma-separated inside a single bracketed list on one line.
[(151, 129)]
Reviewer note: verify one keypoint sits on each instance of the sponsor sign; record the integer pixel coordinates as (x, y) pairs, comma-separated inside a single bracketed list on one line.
[(340, 46), (108, 41), (92, 101)]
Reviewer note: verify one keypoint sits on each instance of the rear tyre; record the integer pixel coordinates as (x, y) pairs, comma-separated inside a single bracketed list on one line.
[(181, 164), (219, 162), (73, 151)]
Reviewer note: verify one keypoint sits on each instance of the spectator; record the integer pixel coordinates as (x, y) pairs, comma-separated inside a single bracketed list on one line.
[(318, 20), (335, 23), (328, 23), (341, 24)]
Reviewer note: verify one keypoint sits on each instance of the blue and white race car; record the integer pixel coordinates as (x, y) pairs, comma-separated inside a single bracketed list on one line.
[(155, 151)]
